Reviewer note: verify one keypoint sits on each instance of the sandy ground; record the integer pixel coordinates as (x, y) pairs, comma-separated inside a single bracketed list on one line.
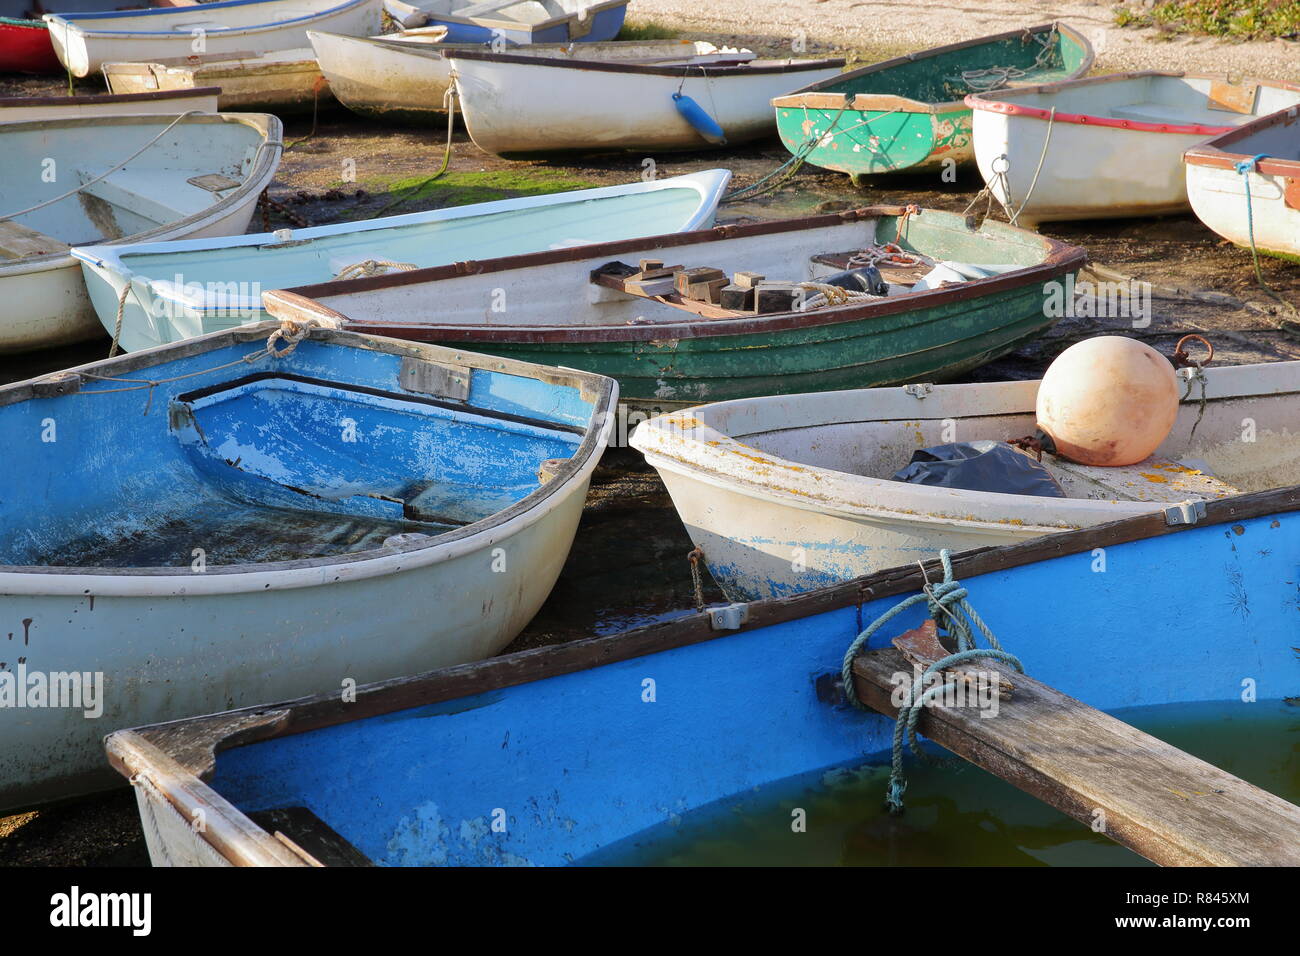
[(608, 586)]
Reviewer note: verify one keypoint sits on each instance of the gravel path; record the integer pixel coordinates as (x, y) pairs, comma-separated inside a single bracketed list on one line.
[(875, 30)]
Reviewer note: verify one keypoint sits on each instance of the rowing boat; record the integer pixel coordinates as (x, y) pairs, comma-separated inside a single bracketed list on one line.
[(25, 109), (520, 106), (279, 81), (84, 42), (593, 308), (907, 114), (25, 47), (150, 293), (789, 494), (583, 752), (514, 21), (111, 179), (272, 512), (1262, 158), (405, 76), (1108, 146)]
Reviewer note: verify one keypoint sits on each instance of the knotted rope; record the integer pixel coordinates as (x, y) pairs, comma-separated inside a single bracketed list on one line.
[(825, 294), (947, 603), (373, 267)]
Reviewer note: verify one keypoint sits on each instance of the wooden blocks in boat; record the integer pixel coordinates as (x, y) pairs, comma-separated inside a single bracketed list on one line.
[(702, 284), (772, 297)]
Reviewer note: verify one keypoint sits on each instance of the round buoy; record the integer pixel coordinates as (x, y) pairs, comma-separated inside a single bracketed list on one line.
[(1109, 400)]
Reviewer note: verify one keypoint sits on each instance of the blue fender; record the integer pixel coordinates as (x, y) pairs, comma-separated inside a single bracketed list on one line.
[(696, 115)]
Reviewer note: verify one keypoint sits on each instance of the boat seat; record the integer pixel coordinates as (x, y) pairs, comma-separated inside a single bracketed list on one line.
[(483, 9), (19, 242), (141, 191), (1154, 479)]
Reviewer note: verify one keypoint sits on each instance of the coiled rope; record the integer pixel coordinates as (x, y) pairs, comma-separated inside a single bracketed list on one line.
[(373, 267), (948, 605)]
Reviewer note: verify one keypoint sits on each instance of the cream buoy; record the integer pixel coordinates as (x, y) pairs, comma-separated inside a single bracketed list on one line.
[(1108, 400)]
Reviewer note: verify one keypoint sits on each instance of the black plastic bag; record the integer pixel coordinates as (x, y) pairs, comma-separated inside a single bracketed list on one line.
[(980, 466)]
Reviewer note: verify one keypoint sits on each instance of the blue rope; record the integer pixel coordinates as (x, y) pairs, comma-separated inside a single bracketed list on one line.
[(946, 600), (1245, 167)]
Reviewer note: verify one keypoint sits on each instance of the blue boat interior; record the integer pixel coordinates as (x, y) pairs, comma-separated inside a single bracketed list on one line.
[(319, 453), (551, 771)]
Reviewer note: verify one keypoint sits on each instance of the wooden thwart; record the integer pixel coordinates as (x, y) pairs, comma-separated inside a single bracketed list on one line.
[(1170, 807)]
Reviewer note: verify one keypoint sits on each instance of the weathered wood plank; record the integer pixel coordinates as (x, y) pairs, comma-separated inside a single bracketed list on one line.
[(18, 242), (1158, 801)]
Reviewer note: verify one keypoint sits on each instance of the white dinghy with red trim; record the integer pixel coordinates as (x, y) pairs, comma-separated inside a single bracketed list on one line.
[(1108, 146)]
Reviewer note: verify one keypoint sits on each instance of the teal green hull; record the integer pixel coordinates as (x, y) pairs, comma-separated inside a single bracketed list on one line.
[(931, 344), (907, 114)]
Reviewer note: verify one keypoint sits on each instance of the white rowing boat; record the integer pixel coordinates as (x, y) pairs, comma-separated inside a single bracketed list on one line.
[(785, 494), (26, 109), (150, 293), (1108, 146), (519, 106), (1263, 159), (405, 76), (113, 179), (279, 81), (84, 42)]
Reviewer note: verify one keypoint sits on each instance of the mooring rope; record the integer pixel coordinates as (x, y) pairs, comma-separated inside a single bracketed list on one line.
[(1245, 167), (785, 171), (946, 600), (373, 267)]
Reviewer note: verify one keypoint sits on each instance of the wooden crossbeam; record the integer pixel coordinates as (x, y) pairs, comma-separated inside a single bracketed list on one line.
[(1170, 807)]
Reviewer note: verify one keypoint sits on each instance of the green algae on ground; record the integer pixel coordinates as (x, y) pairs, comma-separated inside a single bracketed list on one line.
[(1237, 19), (463, 188)]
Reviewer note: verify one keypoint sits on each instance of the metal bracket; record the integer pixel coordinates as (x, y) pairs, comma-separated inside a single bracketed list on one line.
[(918, 389), (1185, 512), (729, 617)]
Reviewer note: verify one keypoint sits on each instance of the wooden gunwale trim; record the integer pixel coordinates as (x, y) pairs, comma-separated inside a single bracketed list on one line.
[(196, 741), (861, 103), (596, 389), (1215, 154), (1062, 28), (750, 68), (225, 829), (990, 102), (1059, 260), (92, 99)]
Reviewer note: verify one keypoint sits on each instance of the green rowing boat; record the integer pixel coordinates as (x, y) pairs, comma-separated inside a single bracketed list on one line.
[(907, 113), (958, 296)]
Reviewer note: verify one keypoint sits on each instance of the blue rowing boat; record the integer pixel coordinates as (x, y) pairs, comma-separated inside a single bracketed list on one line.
[(269, 512), (551, 755)]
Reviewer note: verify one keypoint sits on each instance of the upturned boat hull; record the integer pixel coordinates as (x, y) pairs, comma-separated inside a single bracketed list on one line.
[(787, 495), (25, 47), (1270, 220), (1109, 146), (412, 772), (519, 106), (260, 534), (907, 114)]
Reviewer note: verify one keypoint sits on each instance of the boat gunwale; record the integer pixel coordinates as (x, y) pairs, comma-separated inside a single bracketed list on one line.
[(990, 102), (600, 391), (797, 97), (94, 99), (178, 756), (267, 155), (1214, 154), (1059, 258), (720, 71)]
